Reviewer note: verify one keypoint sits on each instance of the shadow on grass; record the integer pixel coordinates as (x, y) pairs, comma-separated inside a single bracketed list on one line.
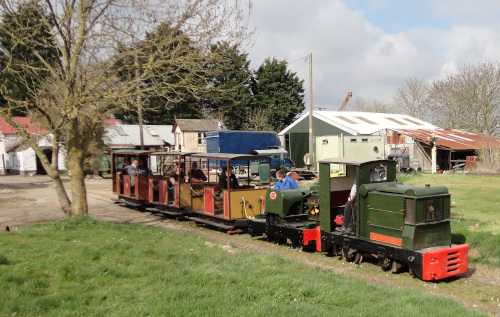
[(457, 238)]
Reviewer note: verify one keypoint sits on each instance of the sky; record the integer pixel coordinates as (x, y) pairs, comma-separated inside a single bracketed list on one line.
[(372, 47)]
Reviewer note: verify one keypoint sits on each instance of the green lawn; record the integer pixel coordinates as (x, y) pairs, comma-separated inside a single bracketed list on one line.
[(475, 211), (82, 267)]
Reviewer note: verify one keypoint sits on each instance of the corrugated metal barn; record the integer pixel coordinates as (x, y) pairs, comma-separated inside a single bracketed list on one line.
[(295, 137)]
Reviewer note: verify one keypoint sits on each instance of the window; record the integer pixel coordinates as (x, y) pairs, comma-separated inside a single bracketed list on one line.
[(365, 120), (364, 140), (202, 138), (353, 140), (347, 120)]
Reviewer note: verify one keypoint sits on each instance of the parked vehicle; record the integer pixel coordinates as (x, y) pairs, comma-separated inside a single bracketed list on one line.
[(279, 158), (241, 142)]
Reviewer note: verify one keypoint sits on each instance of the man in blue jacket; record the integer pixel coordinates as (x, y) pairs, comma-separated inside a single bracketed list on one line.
[(284, 182)]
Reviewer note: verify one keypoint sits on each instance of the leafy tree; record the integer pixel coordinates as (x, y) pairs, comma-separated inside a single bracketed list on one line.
[(31, 24), (278, 91), (163, 97), (235, 77), (77, 86)]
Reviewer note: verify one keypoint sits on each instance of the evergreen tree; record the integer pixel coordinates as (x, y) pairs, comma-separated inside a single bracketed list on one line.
[(24, 34), (160, 106), (235, 77), (278, 91)]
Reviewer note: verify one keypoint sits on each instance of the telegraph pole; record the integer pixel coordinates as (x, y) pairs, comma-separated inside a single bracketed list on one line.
[(139, 105), (311, 135)]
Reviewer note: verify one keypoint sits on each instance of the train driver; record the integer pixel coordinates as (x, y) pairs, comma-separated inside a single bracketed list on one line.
[(284, 182), (350, 206)]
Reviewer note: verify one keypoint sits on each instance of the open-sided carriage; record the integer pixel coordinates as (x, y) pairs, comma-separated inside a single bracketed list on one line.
[(135, 192), (231, 206), (200, 200)]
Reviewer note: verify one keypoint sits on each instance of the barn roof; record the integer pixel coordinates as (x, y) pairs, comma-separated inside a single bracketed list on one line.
[(454, 139), (128, 135), (364, 123)]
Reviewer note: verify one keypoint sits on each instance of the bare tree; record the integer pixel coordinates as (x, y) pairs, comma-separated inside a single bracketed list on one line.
[(258, 120), (442, 105), (80, 87), (371, 105), (411, 98), (469, 99)]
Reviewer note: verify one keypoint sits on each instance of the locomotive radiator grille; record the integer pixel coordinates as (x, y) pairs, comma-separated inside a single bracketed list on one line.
[(433, 209), (453, 261)]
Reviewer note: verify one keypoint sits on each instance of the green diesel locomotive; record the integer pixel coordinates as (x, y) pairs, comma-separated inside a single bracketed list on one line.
[(399, 225)]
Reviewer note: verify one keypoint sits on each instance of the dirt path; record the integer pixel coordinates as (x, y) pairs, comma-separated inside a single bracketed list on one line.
[(25, 199)]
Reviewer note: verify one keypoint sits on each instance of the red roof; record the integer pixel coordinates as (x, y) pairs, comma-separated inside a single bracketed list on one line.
[(6, 128), (111, 121), (454, 139)]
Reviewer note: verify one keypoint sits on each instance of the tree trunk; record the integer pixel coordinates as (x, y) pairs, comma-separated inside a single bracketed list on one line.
[(78, 190), (52, 170), (62, 196)]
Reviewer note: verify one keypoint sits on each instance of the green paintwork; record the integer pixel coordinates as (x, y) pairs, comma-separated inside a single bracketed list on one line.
[(426, 235), (325, 216), (286, 201), (383, 212), (264, 175), (382, 208)]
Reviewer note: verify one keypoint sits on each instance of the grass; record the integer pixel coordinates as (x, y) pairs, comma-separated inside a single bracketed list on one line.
[(82, 267), (475, 209)]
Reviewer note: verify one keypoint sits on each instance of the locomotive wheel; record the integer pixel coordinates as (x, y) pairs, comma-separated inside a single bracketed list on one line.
[(390, 265), (386, 264), (395, 267), (352, 255)]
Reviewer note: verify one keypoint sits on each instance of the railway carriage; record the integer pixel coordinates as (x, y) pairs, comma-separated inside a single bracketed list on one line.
[(201, 201), (135, 193)]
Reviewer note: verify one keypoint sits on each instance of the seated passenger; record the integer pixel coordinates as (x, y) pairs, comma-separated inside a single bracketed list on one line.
[(284, 182), (142, 169), (350, 206), (196, 175), (176, 175), (124, 169), (227, 174)]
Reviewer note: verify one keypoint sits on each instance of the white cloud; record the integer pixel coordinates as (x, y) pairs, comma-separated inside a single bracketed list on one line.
[(352, 54)]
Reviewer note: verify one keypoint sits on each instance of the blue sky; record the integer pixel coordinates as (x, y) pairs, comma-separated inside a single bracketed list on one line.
[(397, 16), (371, 47)]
